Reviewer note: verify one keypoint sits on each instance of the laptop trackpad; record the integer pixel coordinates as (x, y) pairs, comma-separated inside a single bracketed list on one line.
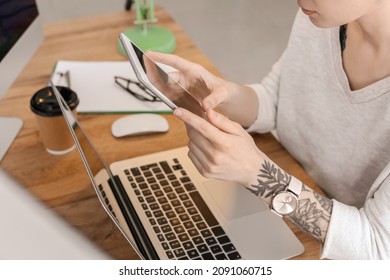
[(233, 200)]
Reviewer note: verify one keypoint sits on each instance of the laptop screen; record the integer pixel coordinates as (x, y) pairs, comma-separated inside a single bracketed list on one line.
[(97, 168)]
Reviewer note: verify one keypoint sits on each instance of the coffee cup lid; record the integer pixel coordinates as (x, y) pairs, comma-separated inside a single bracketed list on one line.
[(44, 102)]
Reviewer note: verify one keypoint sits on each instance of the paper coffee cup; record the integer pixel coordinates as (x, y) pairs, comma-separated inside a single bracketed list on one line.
[(51, 123)]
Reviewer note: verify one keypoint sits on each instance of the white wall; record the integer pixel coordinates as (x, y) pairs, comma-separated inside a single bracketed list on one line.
[(53, 10), (242, 38)]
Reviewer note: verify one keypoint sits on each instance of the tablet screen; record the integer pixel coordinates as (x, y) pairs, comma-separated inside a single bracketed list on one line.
[(166, 83)]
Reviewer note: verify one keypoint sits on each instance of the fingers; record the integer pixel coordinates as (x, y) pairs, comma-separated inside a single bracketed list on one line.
[(175, 61), (212, 130), (223, 123)]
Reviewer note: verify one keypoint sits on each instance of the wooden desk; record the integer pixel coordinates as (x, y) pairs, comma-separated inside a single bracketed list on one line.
[(61, 181)]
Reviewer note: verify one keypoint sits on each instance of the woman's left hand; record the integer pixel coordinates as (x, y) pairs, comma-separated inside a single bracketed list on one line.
[(221, 149)]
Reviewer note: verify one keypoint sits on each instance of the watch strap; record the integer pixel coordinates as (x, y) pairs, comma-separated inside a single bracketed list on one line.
[(295, 186)]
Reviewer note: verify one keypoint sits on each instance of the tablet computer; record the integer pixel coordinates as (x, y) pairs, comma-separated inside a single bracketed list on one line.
[(159, 82)]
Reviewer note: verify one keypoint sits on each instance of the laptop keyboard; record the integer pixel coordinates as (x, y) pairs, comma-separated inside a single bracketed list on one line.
[(180, 218)]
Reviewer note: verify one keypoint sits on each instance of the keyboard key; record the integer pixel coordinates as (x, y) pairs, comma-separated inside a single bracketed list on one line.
[(168, 189), (160, 237), (188, 245), (146, 192), (179, 229), (165, 166), (223, 239), (228, 247), (184, 197), (154, 206), (140, 179), (197, 240), (175, 203), (206, 233), (150, 199), (179, 190), (156, 170), (174, 222), (165, 245), (183, 237), (218, 231), (166, 207), (197, 218), (170, 236), (201, 225), (158, 193), (179, 253), (158, 213), (175, 184), (170, 255), (166, 228), (171, 196), (185, 180), (160, 176), (208, 256), (234, 256), (193, 232), (189, 204), (179, 210), (174, 244), (211, 241), (202, 248), (170, 214), (162, 221), (188, 224), (221, 256), (177, 167), (151, 180), (216, 249), (184, 217), (135, 171), (156, 229), (193, 254)]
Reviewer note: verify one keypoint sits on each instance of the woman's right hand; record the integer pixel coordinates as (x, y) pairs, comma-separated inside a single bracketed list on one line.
[(235, 101)]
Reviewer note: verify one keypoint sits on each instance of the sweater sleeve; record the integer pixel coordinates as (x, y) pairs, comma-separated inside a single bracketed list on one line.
[(267, 97), (361, 233)]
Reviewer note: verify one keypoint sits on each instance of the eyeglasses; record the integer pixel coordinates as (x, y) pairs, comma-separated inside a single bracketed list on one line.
[(136, 89)]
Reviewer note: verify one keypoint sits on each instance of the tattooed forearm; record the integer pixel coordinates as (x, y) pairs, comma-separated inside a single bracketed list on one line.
[(270, 180), (313, 212), (310, 216)]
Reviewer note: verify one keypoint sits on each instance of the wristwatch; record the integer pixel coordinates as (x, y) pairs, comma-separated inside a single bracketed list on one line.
[(286, 202)]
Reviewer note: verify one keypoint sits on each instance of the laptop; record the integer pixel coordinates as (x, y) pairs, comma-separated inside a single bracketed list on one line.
[(167, 210)]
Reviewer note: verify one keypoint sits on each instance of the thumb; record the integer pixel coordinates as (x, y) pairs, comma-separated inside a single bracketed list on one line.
[(215, 98)]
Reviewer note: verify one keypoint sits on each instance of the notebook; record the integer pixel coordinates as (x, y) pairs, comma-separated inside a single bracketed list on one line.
[(167, 210)]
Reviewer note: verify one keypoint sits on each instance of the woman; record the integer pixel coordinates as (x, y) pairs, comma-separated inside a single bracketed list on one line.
[(328, 99)]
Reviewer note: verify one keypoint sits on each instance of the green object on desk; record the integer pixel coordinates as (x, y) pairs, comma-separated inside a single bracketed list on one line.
[(153, 38), (148, 37)]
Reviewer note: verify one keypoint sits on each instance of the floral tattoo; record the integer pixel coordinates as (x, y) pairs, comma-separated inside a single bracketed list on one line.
[(313, 212)]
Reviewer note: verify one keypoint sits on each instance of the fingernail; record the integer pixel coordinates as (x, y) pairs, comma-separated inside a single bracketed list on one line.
[(178, 112)]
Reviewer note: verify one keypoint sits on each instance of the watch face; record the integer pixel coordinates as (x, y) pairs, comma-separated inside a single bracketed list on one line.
[(284, 203)]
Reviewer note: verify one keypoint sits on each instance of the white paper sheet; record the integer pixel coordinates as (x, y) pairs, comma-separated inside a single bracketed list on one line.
[(94, 83)]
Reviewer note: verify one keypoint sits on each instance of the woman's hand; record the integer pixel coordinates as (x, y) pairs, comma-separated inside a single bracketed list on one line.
[(221, 149), (236, 101)]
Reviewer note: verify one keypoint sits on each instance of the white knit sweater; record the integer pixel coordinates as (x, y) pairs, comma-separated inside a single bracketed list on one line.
[(341, 137)]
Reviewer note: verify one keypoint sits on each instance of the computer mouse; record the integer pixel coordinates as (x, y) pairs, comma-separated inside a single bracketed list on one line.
[(138, 124)]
